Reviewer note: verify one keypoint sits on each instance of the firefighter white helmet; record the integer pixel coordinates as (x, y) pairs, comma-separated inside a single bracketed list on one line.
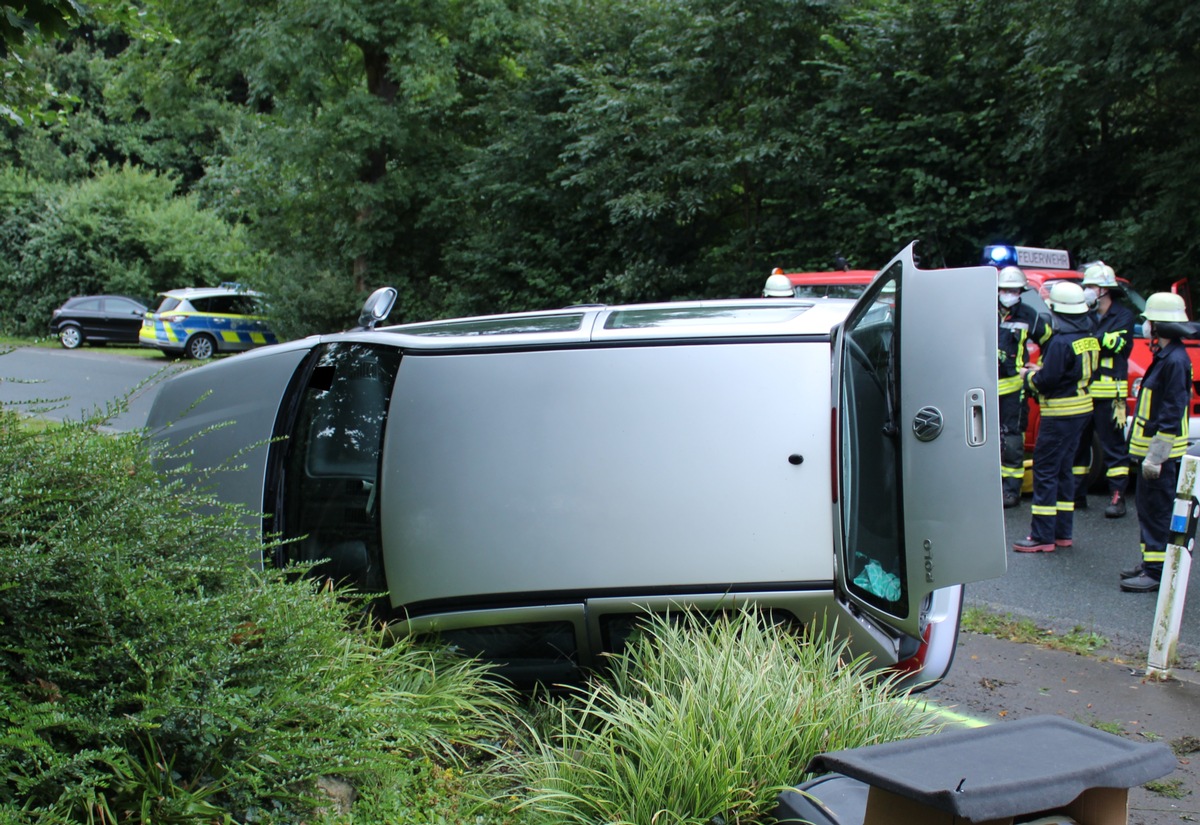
[(1011, 277), (1100, 274), (1066, 298), (1165, 306), (778, 286)]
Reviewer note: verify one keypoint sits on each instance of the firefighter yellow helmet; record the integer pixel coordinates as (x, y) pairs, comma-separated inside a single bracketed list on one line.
[(1100, 274), (1011, 277), (1165, 306), (778, 286), (1066, 298)]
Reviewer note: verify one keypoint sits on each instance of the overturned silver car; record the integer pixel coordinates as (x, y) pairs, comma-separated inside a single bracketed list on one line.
[(528, 486)]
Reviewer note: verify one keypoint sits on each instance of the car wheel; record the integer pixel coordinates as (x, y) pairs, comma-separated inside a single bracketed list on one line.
[(71, 337), (201, 347)]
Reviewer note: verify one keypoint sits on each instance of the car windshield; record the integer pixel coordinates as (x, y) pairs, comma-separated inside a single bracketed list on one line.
[(830, 290), (168, 304), (1127, 295)]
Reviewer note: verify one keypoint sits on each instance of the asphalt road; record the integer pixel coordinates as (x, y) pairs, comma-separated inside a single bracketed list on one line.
[(1069, 588), (64, 384), (1078, 586)]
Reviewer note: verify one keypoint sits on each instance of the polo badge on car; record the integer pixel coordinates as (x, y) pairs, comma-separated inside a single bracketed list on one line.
[(927, 423)]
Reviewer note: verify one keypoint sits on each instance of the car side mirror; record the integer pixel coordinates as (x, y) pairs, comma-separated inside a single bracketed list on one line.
[(377, 306)]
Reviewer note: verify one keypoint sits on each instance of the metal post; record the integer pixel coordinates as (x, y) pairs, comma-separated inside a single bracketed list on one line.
[(1176, 570)]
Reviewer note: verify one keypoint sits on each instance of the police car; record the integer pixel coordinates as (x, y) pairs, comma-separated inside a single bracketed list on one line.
[(527, 487), (201, 321)]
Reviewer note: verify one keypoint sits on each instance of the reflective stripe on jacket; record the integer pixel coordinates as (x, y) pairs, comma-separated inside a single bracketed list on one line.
[(1114, 331), (1068, 363), (1162, 402), (1019, 325)]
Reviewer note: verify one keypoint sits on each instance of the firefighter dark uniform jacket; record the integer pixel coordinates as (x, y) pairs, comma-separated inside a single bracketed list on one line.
[(1019, 324), (1069, 361), (1162, 402), (1114, 331)]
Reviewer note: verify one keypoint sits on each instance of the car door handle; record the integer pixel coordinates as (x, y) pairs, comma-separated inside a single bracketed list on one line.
[(976, 417)]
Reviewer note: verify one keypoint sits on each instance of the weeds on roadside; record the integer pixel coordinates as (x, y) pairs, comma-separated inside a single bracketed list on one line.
[(705, 720), (1170, 788), (1005, 626)]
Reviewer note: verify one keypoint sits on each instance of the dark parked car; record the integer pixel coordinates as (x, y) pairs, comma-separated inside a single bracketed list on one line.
[(98, 319)]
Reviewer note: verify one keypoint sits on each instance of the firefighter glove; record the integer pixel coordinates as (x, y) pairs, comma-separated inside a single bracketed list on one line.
[(1113, 340), (1158, 452)]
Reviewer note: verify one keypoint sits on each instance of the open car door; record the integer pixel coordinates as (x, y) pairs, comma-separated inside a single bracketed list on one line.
[(917, 425)]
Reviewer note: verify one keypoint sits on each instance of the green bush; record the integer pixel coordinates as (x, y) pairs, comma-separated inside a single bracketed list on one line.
[(705, 721), (151, 675), (123, 231)]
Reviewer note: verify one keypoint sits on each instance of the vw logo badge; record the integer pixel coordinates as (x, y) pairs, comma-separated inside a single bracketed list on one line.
[(927, 423)]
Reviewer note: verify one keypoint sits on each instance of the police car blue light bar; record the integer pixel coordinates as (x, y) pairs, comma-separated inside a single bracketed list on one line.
[(1030, 256)]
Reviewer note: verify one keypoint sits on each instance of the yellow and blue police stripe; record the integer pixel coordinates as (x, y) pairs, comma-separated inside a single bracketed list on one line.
[(232, 332)]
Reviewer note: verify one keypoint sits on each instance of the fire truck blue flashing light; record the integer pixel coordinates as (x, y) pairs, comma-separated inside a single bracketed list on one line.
[(999, 255)]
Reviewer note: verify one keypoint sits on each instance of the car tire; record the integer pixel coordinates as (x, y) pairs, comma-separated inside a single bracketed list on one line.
[(201, 347), (71, 337)]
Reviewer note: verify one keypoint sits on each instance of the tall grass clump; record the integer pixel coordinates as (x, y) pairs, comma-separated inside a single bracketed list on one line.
[(148, 673), (704, 720)]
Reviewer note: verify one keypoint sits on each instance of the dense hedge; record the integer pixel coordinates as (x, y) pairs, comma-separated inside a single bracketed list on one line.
[(149, 674)]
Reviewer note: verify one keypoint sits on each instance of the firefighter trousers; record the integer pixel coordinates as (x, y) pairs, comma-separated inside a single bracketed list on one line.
[(1113, 454), (1012, 443), (1155, 500), (1053, 480)]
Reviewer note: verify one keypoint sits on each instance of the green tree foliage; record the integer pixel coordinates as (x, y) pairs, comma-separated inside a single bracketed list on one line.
[(511, 154), (30, 24), (661, 158), (122, 231), (148, 673), (358, 123)]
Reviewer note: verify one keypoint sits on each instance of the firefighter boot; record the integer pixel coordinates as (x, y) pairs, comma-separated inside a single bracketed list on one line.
[(1116, 507)]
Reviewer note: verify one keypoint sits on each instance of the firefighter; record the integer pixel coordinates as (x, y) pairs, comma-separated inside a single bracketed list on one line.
[(1114, 324), (778, 285), (1020, 324), (1159, 435), (1068, 361)]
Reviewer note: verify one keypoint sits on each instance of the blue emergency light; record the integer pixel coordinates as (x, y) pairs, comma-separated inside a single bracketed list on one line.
[(999, 255)]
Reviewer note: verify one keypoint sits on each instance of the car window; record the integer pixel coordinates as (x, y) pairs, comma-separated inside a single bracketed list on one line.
[(498, 326), (830, 290), (216, 304), (87, 305), (168, 304), (871, 455), (121, 305), (331, 464)]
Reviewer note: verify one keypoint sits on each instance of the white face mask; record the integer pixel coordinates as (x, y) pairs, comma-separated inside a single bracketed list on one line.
[(1009, 300), (1147, 330), (1091, 295)]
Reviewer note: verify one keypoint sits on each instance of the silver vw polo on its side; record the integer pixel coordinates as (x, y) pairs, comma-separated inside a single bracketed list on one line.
[(528, 486)]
